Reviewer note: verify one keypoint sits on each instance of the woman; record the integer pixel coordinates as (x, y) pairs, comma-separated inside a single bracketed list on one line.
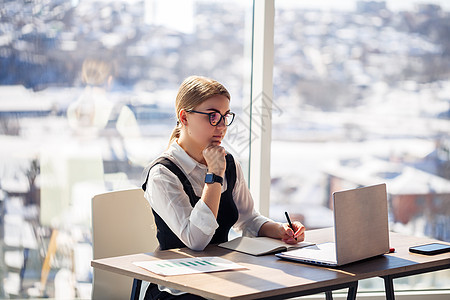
[(196, 190)]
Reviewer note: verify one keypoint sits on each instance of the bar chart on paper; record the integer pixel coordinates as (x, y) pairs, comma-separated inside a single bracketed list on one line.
[(191, 265)]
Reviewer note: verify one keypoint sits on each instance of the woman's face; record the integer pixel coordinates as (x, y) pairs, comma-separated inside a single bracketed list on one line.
[(198, 126)]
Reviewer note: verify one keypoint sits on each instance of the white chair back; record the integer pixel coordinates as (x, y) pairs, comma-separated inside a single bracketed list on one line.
[(122, 223)]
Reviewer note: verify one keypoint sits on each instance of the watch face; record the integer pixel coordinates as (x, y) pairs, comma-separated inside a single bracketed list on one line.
[(209, 178)]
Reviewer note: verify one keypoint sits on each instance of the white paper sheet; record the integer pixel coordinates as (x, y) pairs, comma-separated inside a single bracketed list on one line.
[(191, 265)]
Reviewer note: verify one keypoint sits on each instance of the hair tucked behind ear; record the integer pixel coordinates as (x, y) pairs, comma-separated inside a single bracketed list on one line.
[(175, 133), (192, 92)]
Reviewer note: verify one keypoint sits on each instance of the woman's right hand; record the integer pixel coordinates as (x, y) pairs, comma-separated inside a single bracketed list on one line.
[(293, 235), (215, 159)]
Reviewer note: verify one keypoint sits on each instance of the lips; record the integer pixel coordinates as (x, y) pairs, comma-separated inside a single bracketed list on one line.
[(217, 138)]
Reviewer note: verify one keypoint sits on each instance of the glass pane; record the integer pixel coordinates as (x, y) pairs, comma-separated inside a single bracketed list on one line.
[(87, 94), (363, 94)]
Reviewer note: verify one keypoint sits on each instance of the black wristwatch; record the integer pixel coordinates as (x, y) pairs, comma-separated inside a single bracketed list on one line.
[(211, 178)]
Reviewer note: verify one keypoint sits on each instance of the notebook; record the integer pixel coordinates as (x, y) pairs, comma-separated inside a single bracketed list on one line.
[(260, 245), (361, 229)]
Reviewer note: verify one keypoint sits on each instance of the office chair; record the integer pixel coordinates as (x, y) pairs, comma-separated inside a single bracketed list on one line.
[(122, 223)]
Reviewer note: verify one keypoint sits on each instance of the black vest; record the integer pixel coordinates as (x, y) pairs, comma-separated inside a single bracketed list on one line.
[(226, 217)]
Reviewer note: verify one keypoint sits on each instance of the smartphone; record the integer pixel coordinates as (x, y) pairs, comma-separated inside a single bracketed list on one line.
[(430, 249)]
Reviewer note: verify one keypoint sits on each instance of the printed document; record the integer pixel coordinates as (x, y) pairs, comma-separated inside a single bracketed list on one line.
[(191, 265)]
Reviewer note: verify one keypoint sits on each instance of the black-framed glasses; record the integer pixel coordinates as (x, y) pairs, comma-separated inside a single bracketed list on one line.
[(216, 117)]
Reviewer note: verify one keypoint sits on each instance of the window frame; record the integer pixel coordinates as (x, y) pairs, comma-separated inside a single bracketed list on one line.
[(262, 62), (261, 103)]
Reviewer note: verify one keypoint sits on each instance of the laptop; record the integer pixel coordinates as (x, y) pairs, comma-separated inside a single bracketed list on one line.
[(360, 229)]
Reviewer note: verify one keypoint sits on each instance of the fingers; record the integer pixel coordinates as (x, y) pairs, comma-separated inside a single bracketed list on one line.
[(291, 237), (300, 231), (214, 152), (287, 234), (214, 146), (215, 158), (300, 237), (299, 228)]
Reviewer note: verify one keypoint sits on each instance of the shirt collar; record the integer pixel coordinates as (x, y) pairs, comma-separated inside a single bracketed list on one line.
[(186, 162)]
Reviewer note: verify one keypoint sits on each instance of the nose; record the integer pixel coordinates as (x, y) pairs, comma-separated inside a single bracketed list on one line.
[(221, 124)]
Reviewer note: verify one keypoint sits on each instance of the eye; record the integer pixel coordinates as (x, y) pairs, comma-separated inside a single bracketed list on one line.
[(229, 117), (214, 118)]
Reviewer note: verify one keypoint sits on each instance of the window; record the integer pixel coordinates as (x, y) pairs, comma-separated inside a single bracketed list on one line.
[(59, 147), (360, 96), (358, 88)]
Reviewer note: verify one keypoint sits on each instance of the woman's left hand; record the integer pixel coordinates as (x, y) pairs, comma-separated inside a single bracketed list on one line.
[(295, 236)]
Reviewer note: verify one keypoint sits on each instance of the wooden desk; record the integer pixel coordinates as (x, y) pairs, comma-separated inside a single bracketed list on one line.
[(269, 277), (401, 263)]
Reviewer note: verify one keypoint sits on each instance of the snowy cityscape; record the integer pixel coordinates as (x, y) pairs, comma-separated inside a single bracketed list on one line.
[(360, 96)]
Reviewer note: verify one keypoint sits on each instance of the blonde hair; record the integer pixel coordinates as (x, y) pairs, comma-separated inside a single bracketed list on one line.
[(192, 92), (96, 71)]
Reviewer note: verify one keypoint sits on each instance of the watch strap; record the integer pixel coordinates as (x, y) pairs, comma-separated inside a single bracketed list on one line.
[(211, 178)]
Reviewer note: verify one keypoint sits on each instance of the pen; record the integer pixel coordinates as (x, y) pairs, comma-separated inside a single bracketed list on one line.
[(289, 221)]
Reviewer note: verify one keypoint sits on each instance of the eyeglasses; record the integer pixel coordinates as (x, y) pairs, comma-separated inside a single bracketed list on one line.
[(216, 117)]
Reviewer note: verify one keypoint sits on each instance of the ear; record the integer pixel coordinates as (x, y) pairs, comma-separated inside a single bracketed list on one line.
[(182, 116)]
